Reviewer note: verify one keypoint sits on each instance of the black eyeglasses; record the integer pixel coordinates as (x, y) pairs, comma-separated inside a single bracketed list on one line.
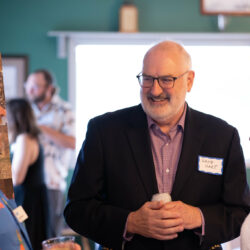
[(166, 82)]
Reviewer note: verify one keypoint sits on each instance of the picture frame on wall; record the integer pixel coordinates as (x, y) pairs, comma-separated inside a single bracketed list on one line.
[(225, 7), (15, 70)]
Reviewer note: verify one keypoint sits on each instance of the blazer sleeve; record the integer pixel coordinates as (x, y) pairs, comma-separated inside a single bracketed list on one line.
[(87, 211), (224, 219)]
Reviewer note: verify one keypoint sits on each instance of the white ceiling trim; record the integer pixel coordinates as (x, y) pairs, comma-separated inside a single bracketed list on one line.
[(78, 37)]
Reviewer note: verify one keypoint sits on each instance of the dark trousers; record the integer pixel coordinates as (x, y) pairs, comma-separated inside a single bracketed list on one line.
[(56, 204)]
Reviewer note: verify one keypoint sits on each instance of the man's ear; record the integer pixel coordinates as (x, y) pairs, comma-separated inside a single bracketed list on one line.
[(51, 90), (190, 78)]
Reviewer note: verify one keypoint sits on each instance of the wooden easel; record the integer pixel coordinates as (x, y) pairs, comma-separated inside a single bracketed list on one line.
[(6, 184)]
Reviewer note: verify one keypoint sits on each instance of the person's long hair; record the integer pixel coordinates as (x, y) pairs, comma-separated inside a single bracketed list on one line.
[(21, 118)]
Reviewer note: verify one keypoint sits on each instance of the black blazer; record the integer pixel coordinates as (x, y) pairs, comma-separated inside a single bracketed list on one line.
[(115, 175)]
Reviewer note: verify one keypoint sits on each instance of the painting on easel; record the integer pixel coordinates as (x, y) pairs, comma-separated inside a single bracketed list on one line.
[(5, 166)]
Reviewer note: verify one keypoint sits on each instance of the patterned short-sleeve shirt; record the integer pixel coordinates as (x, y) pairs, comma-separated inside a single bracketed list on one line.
[(57, 115)]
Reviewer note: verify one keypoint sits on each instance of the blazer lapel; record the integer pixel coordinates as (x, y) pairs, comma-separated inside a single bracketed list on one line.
[(139, 141), (188, 161)]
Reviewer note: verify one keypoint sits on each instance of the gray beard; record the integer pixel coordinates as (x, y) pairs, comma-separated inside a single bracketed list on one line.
[(39, 99)]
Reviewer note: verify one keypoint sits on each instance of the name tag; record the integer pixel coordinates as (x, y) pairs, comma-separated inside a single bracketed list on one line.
[(20, 214), (210, 165)]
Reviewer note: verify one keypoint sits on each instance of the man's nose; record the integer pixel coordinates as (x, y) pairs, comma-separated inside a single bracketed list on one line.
[(156, 89)]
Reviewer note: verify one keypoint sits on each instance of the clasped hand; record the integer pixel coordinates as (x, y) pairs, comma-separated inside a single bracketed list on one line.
[(163, 221)]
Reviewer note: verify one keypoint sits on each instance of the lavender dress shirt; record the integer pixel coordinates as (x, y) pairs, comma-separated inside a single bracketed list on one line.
[(166, 149)]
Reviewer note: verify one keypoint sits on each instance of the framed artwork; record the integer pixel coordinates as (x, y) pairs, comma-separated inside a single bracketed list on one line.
[(15, 70), (225, 7)]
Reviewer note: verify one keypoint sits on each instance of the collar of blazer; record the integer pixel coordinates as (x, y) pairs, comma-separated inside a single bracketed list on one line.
[(139, 142), (188, 161)]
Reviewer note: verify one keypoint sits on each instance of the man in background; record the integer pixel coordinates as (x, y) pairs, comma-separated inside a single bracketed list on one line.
[(57, 124)]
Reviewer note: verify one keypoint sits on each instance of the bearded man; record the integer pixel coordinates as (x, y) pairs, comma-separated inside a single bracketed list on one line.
[(57, 124), (160, 146)]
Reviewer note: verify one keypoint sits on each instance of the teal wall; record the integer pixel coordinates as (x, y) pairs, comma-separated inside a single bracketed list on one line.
[(24, 25)]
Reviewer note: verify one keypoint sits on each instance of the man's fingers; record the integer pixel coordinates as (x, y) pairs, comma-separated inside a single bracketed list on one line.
[(191, 215), (166, 214), (168, 223), (170, 215), (153, 221), (168, 233), (166, 237), (155, 205), (169, 230)]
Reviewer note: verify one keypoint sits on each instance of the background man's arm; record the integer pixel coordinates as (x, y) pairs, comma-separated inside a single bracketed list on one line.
[(58, 138)]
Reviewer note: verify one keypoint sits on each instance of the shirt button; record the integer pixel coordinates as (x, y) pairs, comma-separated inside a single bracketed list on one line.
[(167, 170)]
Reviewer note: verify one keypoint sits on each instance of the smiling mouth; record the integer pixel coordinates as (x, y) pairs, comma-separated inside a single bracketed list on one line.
[(155, 99)]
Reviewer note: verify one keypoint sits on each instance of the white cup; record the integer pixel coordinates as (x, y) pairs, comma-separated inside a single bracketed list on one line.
[(165, 197)]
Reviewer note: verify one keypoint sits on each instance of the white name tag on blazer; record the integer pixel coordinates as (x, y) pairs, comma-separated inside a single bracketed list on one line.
[(20, 214), (210, 165)]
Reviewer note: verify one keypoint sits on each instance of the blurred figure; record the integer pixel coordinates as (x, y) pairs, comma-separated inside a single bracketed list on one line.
[(13, 235), (57, 124), (245, 234), (28, 169)]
